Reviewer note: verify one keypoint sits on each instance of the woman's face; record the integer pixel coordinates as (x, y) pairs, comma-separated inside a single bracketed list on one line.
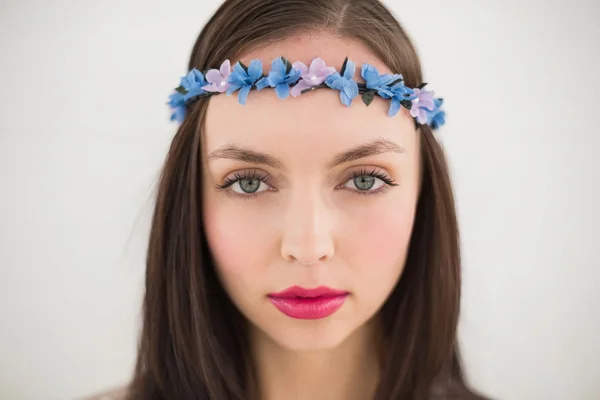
[(317, 195)]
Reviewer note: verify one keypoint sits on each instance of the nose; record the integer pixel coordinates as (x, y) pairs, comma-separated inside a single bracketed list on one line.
[(307, 237)]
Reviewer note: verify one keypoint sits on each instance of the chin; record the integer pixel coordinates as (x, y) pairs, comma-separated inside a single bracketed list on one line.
[(309, 335)]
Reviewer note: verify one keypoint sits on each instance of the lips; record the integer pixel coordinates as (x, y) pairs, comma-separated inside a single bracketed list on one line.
[(301, 303)]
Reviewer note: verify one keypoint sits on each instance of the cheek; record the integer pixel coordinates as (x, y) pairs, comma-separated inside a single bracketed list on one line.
[(377, 245), (238, 243), (385, 236)]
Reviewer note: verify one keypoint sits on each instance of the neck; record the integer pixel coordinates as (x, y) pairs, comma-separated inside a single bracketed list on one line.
[(347, 372)]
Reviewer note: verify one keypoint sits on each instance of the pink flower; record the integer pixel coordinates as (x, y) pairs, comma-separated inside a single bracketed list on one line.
[(311, 77), (218, 78), (421, 105)]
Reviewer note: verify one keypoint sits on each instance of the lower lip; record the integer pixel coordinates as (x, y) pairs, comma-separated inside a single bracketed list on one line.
[(309, 307)]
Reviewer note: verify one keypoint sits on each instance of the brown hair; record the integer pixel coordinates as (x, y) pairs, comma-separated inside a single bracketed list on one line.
[(193, 341)]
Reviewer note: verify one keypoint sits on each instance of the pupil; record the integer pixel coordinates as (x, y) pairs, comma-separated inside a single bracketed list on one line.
[(364, 182), (249, 185)]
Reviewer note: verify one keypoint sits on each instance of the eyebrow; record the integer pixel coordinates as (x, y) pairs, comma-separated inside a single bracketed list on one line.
[(240, 153)]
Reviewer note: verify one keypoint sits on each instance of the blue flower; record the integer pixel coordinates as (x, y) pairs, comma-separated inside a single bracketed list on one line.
[(436, 117), (177, 104), (402, 92), (192, 83), (388, 86), (380, 83), (399, 94), (281, 76), (344, 83), (243, 78)]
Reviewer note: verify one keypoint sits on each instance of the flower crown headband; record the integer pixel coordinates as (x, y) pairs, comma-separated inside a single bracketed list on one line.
[(295, 79)]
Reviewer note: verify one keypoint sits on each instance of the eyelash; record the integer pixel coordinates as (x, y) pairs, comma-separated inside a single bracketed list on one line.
[(252, 174)]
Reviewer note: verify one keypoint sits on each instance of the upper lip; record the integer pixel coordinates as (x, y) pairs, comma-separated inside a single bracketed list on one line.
[(297, 291)]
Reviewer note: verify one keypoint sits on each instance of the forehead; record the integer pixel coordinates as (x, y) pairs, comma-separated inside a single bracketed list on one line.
[(305, 47), (313, 122)]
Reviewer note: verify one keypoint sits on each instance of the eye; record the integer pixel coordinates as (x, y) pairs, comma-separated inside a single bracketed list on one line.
[(249, 186), (247, 183), (369, 182), (365, 183)]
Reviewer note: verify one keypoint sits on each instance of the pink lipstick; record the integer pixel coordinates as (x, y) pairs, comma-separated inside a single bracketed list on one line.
[(300, 303)]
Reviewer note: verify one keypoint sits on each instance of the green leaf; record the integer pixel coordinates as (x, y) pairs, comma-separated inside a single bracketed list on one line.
[(243, 66), (181, 89), (422, 85), (368, 97), (406, 104), (395, 82), (288, 65), (343, 70)]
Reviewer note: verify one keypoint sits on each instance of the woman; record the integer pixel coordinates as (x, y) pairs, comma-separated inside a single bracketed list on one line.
[(302, 248)]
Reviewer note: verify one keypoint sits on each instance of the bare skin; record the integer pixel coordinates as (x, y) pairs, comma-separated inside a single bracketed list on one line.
[(309, 224)]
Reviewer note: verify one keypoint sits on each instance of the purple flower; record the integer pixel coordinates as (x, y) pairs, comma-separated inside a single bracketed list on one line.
[(311, 77), (218, 78), (422, 104)]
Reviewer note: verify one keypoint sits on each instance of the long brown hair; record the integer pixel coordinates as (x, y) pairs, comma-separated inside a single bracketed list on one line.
[(193, 342)]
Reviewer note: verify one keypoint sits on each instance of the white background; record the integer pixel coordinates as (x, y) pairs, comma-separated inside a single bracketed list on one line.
[(84, 129)]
